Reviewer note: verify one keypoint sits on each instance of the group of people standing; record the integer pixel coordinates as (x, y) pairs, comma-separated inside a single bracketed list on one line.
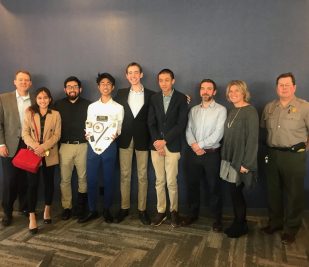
[(221, 148)]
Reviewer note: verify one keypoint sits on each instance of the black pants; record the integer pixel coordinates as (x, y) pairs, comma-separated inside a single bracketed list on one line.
[(285, 173), (205, 167), (33, 185), (14, 185), (238, 201)]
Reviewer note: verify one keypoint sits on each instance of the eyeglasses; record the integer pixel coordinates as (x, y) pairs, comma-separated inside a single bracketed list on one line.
[(72, 87)]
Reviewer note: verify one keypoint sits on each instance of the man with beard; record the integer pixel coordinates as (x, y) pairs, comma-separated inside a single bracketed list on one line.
[(12, 110), (73, 149), (202, 157)]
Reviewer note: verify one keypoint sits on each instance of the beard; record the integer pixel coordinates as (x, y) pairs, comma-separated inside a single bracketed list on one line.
[(207, 98), (72, 96)]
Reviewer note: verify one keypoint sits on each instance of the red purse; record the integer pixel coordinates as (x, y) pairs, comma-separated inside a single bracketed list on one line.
[(26, 159)]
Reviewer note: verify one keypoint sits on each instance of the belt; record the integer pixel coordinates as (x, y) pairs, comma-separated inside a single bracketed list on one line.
[(300, 147), (211, 150), (73, 142)]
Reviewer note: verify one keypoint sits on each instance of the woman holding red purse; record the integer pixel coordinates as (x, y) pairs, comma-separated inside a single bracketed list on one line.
[(41, 132)]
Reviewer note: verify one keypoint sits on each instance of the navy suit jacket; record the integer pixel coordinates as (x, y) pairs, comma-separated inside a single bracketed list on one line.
[(170, 126), (137, 127)]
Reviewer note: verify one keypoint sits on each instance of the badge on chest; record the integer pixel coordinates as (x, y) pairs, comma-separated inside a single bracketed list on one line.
[(100, 131)]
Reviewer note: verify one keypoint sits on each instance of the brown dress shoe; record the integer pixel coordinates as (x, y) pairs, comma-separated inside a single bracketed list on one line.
[(287, 238)]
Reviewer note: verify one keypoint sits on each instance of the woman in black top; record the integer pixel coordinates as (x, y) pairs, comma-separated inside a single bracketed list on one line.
[(239, 152), (41, 132)]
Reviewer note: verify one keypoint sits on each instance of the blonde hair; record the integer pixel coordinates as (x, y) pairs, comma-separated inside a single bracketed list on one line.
[(24, 72), (243, 88)]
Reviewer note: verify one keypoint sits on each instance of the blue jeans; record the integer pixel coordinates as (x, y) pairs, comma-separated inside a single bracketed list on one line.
[(106, 161)]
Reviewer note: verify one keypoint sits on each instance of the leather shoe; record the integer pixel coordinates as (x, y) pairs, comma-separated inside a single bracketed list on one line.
[(47, 221), (287, 238), (108, 218), (270, 230), (237, 229), (66, 214), (90, 216), (121, 215), (33, 231), (7, 220), (217, 227), (144, 218), (159, 218), (188, 220)]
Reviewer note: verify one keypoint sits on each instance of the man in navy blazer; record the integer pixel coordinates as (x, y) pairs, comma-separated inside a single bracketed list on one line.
[(134, 138), (167, 120), (12, 109)]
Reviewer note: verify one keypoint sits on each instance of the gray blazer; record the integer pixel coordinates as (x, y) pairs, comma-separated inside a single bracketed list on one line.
[(10, 126)]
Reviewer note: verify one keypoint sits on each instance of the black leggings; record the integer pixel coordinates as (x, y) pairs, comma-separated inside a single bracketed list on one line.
[(33, 185), (238, 201)]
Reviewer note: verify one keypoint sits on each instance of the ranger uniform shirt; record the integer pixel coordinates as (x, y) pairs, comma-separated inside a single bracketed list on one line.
[(286, 126)]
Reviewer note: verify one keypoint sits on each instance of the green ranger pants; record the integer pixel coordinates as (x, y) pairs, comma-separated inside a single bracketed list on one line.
[(285, 185)]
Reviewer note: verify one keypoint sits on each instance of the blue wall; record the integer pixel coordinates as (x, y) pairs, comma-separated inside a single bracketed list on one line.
[(242, 39)]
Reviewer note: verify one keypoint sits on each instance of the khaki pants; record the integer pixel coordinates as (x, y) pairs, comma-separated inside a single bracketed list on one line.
[(125, 158), (166, 169), (72, 155)]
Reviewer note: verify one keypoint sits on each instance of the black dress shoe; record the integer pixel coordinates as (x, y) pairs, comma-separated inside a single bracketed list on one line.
[(217, 226), (237, 229), (47, 221), (6, 220), (287, 238), (90, 216), (270, 230), (144, 218), (108, 218), (185, 221), (66, 214), (33, 231), (121, 215)]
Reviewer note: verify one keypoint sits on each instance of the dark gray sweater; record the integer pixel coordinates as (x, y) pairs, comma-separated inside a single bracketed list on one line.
[(240, 141)]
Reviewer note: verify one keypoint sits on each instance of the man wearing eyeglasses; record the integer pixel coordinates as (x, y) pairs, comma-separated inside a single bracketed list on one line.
[(73, 149)]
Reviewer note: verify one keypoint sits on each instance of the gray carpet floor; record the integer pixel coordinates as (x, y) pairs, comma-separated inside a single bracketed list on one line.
[(67, 243)]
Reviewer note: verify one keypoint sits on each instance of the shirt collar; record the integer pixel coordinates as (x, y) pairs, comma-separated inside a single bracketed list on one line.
[(108, 102), (23, 97), (293, 102), (211, 105), (141, 91), (170, 95)]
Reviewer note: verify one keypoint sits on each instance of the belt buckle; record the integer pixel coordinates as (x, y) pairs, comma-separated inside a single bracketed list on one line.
[(75, 142)]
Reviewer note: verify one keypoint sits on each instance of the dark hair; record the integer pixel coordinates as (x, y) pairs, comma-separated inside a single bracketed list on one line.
[(134, 64), (167, 71), (286, 75), (209, 81), (72, 79), (23, 71), (35, 107), (105, 75)]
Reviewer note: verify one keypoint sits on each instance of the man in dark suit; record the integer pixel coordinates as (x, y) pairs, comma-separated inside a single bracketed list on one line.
[(12, 110), (134, 138), (167, 120)]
